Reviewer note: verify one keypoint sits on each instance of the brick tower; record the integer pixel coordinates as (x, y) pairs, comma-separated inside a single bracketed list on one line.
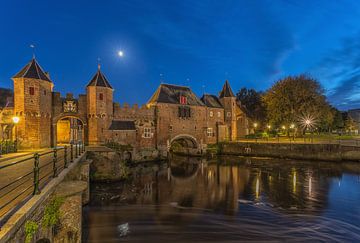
[(228, 101), (33, 105), (100, 107)]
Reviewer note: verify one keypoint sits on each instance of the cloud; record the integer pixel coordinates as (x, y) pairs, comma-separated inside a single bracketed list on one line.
[(339, 71)]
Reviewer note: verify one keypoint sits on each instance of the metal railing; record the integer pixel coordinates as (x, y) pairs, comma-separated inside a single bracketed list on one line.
[(23, 178)]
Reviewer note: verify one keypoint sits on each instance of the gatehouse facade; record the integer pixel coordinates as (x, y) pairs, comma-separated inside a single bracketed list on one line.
[(174, 114)]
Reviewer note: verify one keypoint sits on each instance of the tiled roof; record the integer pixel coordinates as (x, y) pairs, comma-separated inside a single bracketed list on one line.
[(226, 91), (122, 125), (168, 93), (211, 101), (99, 79), (32, 70)]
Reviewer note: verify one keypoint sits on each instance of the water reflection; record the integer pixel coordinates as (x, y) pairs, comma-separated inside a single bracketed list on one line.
[(229, 198)]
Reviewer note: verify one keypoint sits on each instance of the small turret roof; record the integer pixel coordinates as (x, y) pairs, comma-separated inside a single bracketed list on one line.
[(99, 80), (226, 91), (32, 70)]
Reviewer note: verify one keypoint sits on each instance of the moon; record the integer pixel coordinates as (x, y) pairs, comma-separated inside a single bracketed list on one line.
[(120, 53)]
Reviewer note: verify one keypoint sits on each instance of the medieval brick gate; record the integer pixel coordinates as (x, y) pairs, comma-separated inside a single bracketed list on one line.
[(69, 123)]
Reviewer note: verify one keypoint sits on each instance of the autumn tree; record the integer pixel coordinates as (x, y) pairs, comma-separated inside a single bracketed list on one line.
[(254, 104), (294, 97)]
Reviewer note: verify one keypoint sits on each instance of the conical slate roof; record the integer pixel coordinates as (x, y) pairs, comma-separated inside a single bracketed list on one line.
[(32, 70), (226, 91), (99, 80)]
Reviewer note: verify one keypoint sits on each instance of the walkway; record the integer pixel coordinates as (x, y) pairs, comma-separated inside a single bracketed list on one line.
[(19, 176)]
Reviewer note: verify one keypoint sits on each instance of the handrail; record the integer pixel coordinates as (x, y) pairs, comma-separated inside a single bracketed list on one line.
[(38, 173)]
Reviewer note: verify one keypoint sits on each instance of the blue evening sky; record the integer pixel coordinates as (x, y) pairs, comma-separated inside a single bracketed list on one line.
[(197, 43)]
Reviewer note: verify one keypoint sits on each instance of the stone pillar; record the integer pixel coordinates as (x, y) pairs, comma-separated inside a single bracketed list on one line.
[(71, 211)]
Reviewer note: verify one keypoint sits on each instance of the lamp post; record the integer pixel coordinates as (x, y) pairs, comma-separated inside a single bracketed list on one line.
[(292, 127), (268, 135), (15, 120), (255, 126)]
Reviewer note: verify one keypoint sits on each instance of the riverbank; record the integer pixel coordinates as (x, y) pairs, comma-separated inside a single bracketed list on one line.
[(321, 152)]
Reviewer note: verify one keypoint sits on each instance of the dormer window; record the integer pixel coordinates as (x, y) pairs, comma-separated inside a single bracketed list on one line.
[(101, 96), (183, 100)]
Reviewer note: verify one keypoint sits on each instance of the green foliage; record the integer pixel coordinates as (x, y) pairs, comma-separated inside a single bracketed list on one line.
[(293, 97), (30, 229), (338, 121), (350, 124), (52, 212), (124, 170), (254, 104), (118, 147), (175, 146)]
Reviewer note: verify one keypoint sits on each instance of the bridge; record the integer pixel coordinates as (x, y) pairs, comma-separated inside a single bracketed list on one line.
[(30, 185)]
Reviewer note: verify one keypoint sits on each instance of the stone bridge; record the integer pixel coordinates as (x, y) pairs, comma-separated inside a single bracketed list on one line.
[(53, 213)]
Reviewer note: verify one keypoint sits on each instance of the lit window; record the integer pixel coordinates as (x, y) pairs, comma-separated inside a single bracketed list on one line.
[(228, 114), (31, 90), (210, 132), (219, 114), (147, 132), (101, 96), (183, 100), (211, 114)]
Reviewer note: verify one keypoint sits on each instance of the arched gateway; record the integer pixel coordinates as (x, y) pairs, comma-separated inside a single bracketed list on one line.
[(69, 129)]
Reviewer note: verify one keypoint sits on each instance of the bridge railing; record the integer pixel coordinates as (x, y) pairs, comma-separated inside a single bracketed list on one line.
[(24, 178)]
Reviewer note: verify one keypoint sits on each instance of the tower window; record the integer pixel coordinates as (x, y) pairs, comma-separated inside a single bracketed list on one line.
[(211, 114), (44, 92), (101, 96), (31, 90), (228, 114), (219, 114)]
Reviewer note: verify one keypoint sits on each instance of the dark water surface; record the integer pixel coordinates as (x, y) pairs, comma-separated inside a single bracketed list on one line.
[(229, 199)]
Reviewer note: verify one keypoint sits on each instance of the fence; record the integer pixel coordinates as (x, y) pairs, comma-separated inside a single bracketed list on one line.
[(22, 179)]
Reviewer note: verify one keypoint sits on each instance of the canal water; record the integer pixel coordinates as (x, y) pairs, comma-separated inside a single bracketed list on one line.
[(228, 199)]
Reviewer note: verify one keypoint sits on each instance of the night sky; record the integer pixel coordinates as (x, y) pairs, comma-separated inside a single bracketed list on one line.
[(197, 43)]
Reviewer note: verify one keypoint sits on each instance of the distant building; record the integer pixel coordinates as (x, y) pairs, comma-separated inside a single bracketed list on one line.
[(173, 113)]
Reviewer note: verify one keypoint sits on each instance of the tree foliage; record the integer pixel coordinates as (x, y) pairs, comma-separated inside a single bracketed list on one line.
[(254, 104), (294, 97)]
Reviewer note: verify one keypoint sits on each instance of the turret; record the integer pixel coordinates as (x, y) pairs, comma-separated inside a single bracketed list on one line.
[(100, 107), (228, 101), (33, 105)]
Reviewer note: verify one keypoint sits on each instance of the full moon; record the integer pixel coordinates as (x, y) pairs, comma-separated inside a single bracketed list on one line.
[(121, 53)]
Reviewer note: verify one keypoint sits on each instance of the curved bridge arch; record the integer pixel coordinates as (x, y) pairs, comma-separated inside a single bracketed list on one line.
[(185, 140)]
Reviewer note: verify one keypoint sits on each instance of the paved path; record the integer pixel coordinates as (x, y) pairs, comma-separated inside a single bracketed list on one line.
[(17, 176)]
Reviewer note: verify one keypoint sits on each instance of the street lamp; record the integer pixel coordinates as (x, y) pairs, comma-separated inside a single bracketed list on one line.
[(255, 126), (15, 120)]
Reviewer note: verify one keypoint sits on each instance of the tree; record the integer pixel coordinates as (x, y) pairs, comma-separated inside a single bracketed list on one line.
[(350, 124), (338, 121), (294, 97), (254, 104)]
